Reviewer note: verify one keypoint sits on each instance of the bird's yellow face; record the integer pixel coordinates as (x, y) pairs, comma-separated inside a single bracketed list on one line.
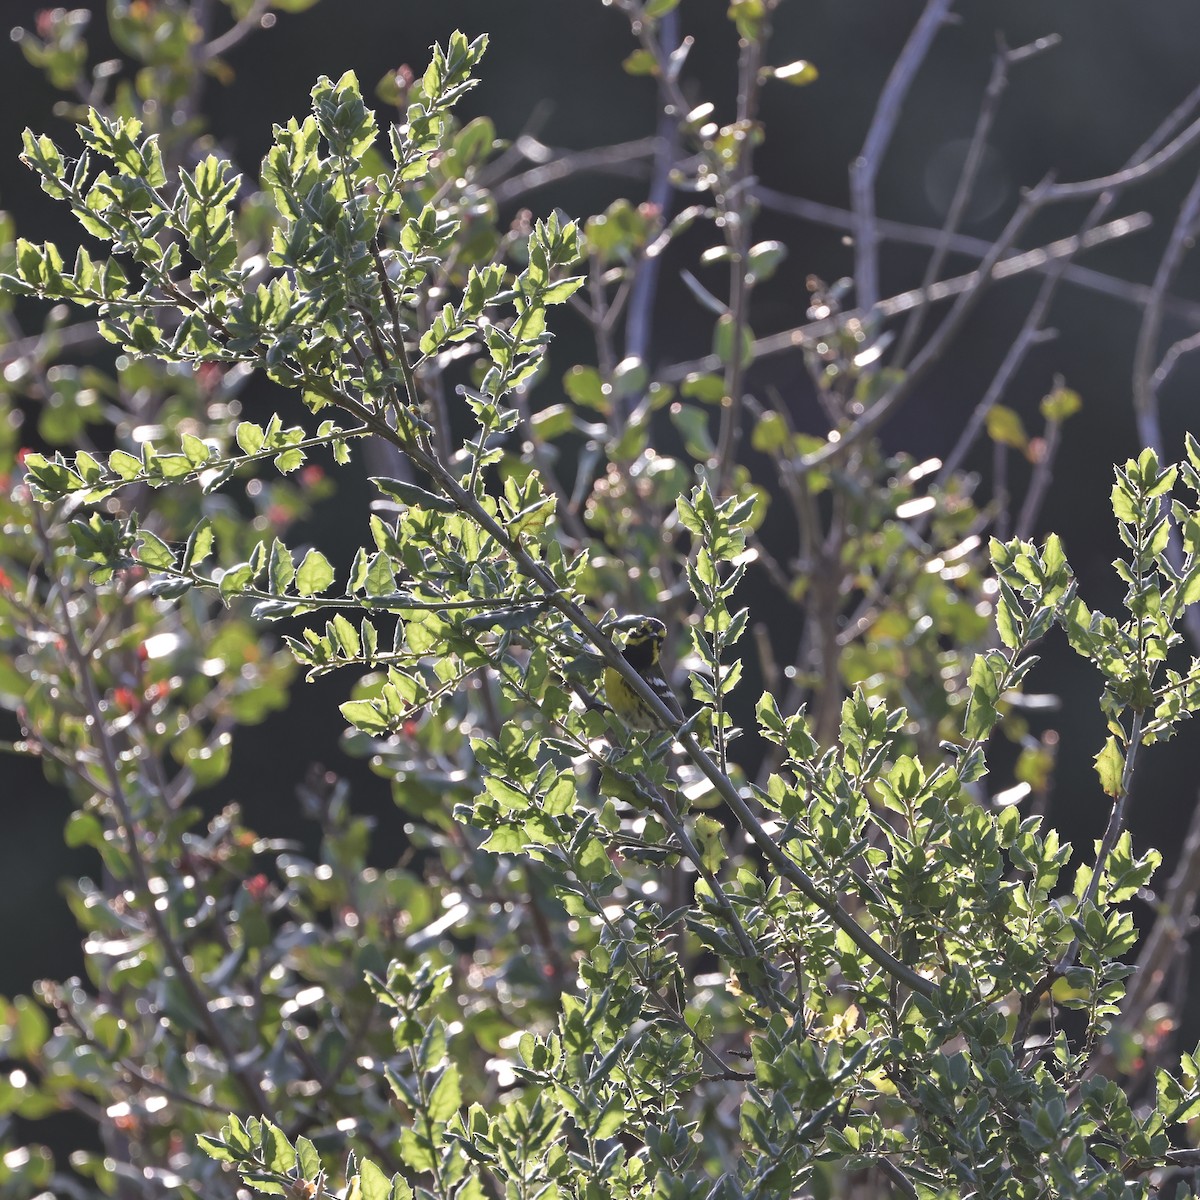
[(643, 643)]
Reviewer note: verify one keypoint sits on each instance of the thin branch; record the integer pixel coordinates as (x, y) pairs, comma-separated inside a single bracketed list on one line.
[(897, 1176), (1006, 268), (920, 235), (1039, 483), (1145, 385), (639, 323), (570, 162), (1116, 823), (938, 342), (1016, 353), (965, 188), (1184, 346), (865, 168), (1088, 189), (1031, 334), (736, 212), (70, 337), (237, 33), (1099, 210)]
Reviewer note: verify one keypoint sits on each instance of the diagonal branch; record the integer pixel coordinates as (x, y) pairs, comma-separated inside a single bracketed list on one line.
[(1042, 259), (817, 213), (865, 169)]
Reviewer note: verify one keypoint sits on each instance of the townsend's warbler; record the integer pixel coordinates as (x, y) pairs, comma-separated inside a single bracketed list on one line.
[(643, 649)]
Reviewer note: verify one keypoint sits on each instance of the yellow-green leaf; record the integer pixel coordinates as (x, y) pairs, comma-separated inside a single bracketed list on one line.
[(1110, 763), (1004, 426)]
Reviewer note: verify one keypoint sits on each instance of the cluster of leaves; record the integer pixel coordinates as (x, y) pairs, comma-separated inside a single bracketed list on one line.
[(616, 967)]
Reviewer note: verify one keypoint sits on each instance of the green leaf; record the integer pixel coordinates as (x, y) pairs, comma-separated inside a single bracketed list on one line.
[(278, 1152), (594, 864), (214, 1147), (154, 552), (412, 496), (347, 636), (692, 422), (1004, 426), (723, 341), (985, 693), (373, 1183), (770, 433), (1060, 404), (1110, 765), (309, 1158), (314, 574), (505, 839), (563, 290), (281, 568), (250, 437), (125, 465), (199, 545), (365, 715), (764, 259), (446, 1097)]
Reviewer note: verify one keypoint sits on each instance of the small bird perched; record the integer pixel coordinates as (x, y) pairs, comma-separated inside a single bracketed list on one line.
[(643, 650)]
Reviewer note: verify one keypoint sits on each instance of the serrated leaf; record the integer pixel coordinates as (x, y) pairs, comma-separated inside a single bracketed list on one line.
[(364, 715), (199, 545), (216, 1148), (347, 636), (314, 574), (374, 1184), (412, 496), (281, 567), (250, 437), (1110, 765), (446, 1097), (127, 466), (154, 552)]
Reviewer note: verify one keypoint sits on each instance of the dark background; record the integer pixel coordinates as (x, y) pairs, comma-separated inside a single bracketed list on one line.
[(1079, 110)]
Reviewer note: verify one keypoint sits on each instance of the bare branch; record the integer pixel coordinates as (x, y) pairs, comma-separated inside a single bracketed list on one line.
[(737, 210), (1002, 269), (865, 169), (237, 33), (639, 323), (1087, 189), (1145, 382), (1177, 350), (1018, 264), (920, 235), (1039, 483), (966, 182), (560, 164)]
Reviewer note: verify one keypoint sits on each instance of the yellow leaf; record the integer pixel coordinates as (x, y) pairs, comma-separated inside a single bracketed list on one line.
[(1110, 764), (1004, 426)]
